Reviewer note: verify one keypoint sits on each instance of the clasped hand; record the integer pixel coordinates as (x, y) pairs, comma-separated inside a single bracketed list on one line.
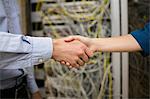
[(71, 51)]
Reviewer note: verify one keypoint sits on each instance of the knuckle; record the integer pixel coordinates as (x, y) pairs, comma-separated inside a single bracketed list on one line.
[(81, 52)]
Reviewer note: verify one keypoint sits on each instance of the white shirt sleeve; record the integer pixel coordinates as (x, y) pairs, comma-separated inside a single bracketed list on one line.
[(19, 51), (31, 84)]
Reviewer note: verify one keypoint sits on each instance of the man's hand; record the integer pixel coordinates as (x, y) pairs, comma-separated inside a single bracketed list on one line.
[(87, 41), (36, 95), (74, 53)]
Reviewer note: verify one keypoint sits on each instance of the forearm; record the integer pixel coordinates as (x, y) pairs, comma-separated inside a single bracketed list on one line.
[(116, 44)]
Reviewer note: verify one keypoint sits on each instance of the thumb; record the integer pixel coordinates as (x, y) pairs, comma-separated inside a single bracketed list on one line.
[(69, 39), (72, 38)]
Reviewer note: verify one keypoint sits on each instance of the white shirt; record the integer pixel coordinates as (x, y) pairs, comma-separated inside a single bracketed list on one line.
[(19, 51)]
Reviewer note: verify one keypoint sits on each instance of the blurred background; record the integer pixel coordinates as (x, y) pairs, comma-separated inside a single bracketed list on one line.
[(106, 75)]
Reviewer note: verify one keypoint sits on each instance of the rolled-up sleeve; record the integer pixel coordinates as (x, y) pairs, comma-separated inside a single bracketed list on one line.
[(142, 36), (18, 51)]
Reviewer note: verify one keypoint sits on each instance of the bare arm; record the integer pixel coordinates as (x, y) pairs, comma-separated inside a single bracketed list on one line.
[(116, 44), (125, 43)]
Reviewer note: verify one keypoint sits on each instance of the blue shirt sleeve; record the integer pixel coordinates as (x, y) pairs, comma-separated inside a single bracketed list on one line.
[(142, 36)]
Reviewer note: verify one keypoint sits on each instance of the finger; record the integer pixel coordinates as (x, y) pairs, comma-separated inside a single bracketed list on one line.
[(89, 52), (70, 67), (80, 62), (84, 57), (67, 63), (78, 65), (71, 38), (63, 62), (74, 64)]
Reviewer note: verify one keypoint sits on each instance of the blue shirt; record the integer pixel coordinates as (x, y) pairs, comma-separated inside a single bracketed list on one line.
[(142, 36)]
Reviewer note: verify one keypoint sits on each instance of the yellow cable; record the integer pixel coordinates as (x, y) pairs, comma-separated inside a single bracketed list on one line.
[(48, 21), (84, 18)]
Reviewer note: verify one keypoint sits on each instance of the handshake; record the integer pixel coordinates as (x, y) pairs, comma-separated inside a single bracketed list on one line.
[(73, 51)]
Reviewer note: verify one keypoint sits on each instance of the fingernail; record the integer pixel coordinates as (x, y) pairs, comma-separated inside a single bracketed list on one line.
[(67, 63), (70, 67), (63, 62)]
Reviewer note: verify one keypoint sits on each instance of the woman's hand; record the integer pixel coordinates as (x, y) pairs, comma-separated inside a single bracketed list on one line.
[(87, 41)]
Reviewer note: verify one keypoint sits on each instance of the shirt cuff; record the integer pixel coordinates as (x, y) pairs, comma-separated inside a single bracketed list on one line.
[(32, 86), (142, 39), (42, 49)]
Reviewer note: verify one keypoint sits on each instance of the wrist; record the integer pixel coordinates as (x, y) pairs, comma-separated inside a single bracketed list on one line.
[(94, 44), (36, 95), (55, 44)]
